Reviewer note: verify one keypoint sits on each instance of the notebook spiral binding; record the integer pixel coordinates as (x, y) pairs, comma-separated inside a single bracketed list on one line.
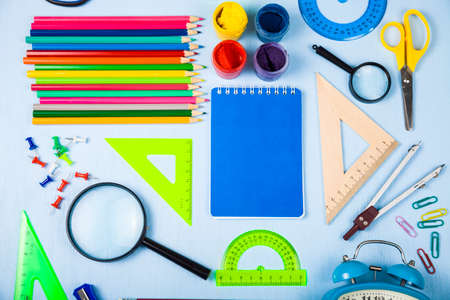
[(227, 90)]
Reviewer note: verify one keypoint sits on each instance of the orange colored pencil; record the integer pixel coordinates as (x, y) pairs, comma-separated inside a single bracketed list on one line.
[(55, 60)]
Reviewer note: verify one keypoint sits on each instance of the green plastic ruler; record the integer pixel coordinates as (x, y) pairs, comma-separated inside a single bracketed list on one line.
[(33, 264), (135, 152), (292, 274)]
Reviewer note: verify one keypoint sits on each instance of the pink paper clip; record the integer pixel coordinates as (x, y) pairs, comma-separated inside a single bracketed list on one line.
[(426, 261), (406, 226)]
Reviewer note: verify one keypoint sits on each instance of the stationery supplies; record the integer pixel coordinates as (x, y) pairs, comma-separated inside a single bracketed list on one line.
[(430, 224), (31, 145), (249, 126), (424, 202), (46, 181), (435, 247), (400, 281), (114, 113), (47, 107), (118, 80), (406, 226), (178, 192), (57, 202), (113, 87), (271, 22), (109, 74), (230, 275), (369, 82), (367, 22), (77, 139), (340, 185), (108, 39), (97, 60), (407, 58), (161, 46), (434, 214), (112, 120), (52, 168), (230, 20), (270, 61), (33, 264), (37, 161), (426, 261), (62, 186), (115, 32), (125, 93), (107, 222), (124, 100), (187, 67), (85, 292), (371, 213), (107, 53), (229, 59)]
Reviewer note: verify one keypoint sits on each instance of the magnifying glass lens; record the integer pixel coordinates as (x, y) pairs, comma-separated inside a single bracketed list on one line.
[(370, 82), (106, 222)]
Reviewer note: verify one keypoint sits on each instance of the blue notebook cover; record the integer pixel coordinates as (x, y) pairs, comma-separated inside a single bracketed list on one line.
[(256, 153)]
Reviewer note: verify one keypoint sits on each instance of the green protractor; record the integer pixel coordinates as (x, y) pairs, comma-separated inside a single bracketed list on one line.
[(291, 275)]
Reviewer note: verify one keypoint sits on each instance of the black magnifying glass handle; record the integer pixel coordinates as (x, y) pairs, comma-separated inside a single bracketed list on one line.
[(182, 261), (332, 58)]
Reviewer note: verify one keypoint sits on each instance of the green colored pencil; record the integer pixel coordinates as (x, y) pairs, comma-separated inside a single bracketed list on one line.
[(108, 39), (126, 93), (114, 113), (100, 80), (187, 67)]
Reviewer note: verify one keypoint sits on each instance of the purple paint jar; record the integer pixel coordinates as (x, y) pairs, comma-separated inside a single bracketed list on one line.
[(270, 61)]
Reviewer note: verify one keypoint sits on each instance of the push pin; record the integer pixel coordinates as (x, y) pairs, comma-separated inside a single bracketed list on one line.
[(77, 139), (57, 202), (58, 147), (53, 166), (37, 161), (64, 182), (46, 181), (31, 144), (85, 176), (66, 158)]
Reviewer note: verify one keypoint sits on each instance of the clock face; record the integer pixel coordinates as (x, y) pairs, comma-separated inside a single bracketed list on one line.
[(375, 295)]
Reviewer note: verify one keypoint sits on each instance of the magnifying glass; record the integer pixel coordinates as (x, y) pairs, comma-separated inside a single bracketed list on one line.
[(68, 2), (106, 222), (369, 82)]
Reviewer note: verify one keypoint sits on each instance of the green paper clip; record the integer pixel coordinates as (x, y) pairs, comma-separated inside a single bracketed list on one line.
[(435, 244), (424, 202), (430, 224), (434, 214)]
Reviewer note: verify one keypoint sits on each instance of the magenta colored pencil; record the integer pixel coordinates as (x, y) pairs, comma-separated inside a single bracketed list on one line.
[(113, 25), (122, 100), (111, 87)]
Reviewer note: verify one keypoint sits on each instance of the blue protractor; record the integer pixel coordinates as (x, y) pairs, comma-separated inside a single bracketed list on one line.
[(342, 31)]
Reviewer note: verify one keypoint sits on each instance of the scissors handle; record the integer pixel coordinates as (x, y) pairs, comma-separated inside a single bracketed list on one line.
[(399, 49), (414, 55)]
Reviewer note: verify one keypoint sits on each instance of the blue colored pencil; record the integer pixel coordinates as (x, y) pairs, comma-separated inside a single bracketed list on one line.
[(152, 32), (185, 46)]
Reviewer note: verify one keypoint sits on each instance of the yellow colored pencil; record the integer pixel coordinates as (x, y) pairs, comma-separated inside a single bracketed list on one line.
[(114, 120), (110, 74)]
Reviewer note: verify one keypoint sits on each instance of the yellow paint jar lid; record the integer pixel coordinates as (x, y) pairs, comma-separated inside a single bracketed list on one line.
[(230, 20)]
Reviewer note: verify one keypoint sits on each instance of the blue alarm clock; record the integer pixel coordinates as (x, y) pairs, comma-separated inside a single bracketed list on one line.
[(409, 279)]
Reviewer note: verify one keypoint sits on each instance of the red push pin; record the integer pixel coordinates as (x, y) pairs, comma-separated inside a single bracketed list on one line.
[(57, 202), (38, 162), (62, 185), (85, 176)]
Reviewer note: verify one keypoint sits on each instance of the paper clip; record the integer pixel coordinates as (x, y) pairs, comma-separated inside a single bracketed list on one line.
[(406, 226), (430, 223), (435, 244), (434, 214), (426, 261), (424, 202)]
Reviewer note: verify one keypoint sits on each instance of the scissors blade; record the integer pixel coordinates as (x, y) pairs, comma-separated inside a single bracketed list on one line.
[(407, 93)]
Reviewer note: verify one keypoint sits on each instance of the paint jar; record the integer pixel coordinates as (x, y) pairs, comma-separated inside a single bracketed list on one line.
[(270, 61), (271, 23), (229, 59), (230, 21)]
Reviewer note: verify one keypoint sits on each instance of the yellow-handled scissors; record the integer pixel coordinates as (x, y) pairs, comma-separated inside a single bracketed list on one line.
[(407, 58)]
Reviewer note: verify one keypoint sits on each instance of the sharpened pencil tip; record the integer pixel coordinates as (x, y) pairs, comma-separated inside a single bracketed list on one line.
[(201, 19), (200, 46)]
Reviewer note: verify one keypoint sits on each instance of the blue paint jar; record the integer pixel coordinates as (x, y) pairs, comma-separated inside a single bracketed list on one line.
[(271, 22)]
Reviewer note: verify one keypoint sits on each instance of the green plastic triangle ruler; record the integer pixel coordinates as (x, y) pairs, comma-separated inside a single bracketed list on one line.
[(291, 275), (177, 194), (33, 264)]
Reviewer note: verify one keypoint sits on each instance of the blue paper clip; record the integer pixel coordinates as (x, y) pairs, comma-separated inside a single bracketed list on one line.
[(85, 292), (430, 223), (424, 202), (406, 226), (435, 244)]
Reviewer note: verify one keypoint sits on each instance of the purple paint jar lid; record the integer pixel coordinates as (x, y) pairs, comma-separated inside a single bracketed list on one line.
[(270, 61)]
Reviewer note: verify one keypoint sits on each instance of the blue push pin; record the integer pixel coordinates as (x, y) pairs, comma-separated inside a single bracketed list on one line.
[(46, 181), (31, 143)]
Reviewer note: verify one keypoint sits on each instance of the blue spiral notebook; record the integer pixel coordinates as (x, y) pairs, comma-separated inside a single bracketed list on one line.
[(256, 153)]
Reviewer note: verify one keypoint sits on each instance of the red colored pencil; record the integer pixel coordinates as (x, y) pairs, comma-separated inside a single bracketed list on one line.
[(113, 53), (115, 18), (115, 25), (112, 87)]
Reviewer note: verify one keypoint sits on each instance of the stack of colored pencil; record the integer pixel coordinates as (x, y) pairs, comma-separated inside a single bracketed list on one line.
[(114, 70)]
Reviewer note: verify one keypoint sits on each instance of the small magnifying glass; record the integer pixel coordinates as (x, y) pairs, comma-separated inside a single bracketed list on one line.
[(369, 82), (68, 2), (106, 222)]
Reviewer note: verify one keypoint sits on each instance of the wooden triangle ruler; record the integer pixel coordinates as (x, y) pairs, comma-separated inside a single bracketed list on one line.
[(177, 194), (33, 264), (341, 185)]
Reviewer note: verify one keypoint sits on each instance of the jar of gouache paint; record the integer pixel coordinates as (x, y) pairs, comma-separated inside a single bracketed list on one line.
[(271, 23), (230, 20), (229, 59), (270, 61)]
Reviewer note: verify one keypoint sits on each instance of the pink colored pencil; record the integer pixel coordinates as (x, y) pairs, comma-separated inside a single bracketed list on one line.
[(111, 87), (122, 100), (115, 18), (113, 25)]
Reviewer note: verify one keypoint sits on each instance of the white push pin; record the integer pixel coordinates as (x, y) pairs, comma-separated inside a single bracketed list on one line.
[(77, 139), (52, 168)]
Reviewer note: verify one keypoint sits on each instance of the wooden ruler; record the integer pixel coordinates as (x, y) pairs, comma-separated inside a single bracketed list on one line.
[(341, 185)]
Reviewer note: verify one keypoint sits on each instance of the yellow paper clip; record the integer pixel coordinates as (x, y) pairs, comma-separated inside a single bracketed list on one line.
[(434, 214)]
